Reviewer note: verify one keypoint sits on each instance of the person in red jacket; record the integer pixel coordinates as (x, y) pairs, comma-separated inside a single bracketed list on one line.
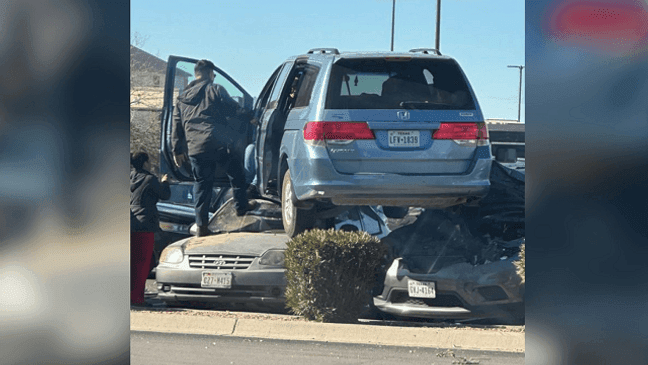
[(146, 190)]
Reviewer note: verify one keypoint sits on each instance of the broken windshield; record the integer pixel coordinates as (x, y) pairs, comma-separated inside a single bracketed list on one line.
[(378, 83)]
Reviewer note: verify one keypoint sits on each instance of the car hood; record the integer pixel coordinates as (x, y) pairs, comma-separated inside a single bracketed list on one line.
[(244, 243)]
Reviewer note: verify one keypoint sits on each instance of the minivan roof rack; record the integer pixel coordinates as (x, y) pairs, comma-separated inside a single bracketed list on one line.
[(426, 50), (324, 50)]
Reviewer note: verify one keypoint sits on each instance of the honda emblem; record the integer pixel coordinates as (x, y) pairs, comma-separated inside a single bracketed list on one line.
[(403, 115)]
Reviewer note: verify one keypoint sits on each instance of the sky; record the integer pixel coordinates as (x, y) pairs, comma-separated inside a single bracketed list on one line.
[(249, 39)]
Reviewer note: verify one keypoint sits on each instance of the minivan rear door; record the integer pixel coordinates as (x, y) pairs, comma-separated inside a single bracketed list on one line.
[(179, 73), (404, 101)]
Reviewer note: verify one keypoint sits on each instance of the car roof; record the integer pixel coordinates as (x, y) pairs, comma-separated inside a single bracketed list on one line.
[(335, 55)]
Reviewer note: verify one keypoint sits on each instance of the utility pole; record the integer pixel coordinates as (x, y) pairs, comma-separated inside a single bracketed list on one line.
[(438, 25), (520, 93), (393, 18)]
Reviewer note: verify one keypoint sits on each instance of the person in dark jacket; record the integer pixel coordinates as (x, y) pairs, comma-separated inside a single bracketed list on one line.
[(208, 126), (146, 190)]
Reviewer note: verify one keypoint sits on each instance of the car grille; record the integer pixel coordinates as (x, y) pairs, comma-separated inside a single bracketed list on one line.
[(220, 262), (492, 293), (442, 300), (238, 291)]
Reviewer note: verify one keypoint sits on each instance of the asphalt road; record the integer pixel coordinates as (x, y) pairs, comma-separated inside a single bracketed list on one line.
[(174, 349)]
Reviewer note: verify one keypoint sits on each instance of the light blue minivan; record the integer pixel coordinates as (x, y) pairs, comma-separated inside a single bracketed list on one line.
[(340, 129)]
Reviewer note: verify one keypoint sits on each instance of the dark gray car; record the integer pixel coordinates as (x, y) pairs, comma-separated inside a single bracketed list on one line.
[(460, 264), (428, 286)]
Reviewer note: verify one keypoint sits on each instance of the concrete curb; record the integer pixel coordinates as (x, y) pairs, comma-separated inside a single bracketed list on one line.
[(473, 339)]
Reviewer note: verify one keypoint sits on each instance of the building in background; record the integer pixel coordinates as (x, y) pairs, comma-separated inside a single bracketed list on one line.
[(507, 139), (147, 76)]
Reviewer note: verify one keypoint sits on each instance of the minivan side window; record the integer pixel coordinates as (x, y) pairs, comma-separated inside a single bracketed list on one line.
[(306, 86), (276, 92), (265, 92)]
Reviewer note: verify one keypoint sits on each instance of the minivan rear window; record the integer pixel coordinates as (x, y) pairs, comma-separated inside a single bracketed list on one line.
[(378, 83)]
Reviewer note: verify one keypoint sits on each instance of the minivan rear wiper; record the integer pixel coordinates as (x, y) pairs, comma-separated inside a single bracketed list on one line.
[(421, 105)]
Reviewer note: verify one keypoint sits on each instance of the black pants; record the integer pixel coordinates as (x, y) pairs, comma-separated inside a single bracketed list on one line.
[(204, 167)]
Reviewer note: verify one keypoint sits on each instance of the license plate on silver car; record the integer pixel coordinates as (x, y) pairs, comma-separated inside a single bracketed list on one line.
[(215, 279), (421, 289), (404, 139)]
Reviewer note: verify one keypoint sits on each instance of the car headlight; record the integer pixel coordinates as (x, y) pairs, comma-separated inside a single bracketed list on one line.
[(272, 258), (172, 255)]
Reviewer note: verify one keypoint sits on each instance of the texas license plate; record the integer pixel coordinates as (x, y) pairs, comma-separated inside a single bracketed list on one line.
[(421, 289), (404, 139), (214, 279)]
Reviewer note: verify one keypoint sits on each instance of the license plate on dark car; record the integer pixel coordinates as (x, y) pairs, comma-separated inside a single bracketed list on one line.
[(421, 289)]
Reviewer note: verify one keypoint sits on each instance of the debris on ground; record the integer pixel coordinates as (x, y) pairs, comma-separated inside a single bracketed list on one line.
[(458, 359), (465, 361), (446, 353)]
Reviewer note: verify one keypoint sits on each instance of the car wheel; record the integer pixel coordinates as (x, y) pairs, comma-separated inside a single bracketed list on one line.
[(395, 212), (295, 220)]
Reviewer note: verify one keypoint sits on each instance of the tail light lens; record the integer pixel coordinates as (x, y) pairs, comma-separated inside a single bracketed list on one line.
[(318, 131), (462, 131)]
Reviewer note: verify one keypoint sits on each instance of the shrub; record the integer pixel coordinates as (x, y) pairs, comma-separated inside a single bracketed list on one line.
[(330, 274), (519, 264)]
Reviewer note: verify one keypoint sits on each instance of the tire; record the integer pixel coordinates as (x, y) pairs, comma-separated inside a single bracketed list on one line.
[(295, 220), (395, 212)]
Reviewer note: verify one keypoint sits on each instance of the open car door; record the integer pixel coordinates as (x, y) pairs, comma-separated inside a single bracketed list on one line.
[(179, 73), (272, 117)]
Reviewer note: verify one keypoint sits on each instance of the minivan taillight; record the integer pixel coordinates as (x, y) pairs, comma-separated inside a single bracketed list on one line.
[(462, 131), (337, 130)]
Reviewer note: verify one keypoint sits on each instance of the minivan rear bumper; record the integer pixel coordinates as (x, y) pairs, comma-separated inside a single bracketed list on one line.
[(428, 191)]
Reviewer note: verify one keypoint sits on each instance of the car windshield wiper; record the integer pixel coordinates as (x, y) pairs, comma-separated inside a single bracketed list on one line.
[(422, 105)]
